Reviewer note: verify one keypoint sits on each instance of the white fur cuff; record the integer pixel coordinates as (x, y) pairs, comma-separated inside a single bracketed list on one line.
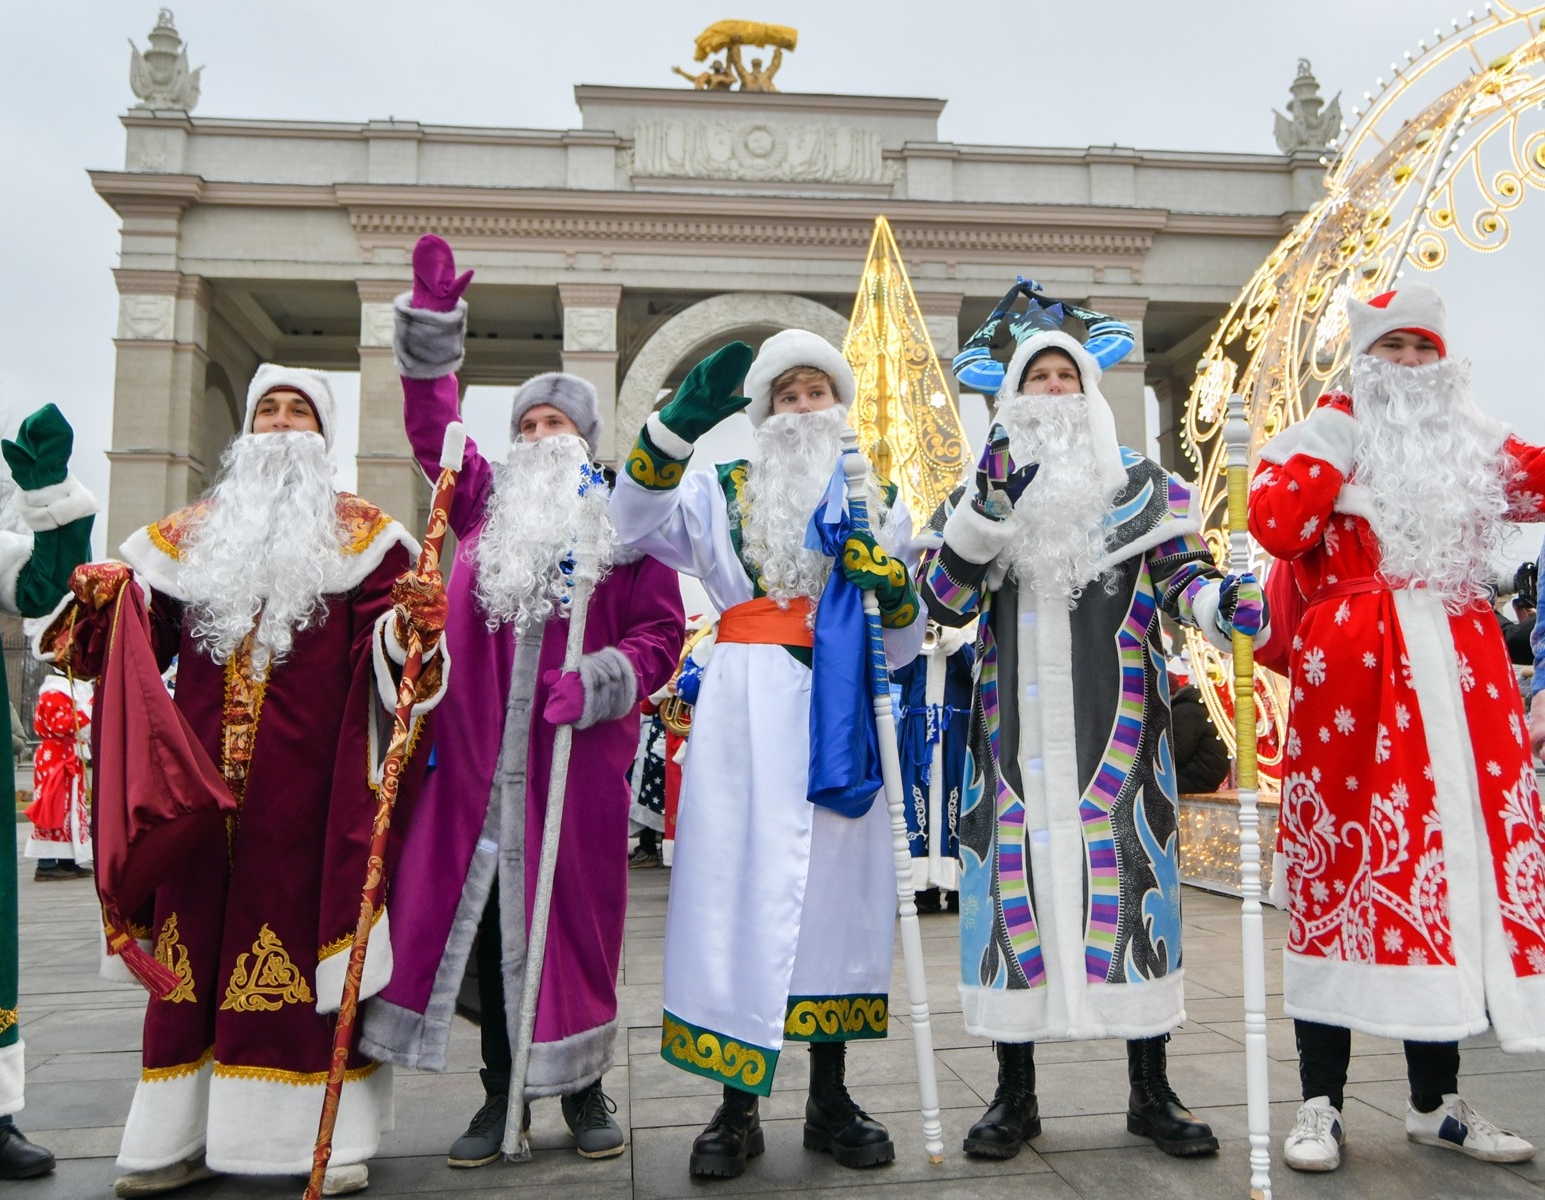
[(378, 967), (611, 686), (976, 538), (1204, 610), (666, 442), (13, 1076), (57, 505), (1327, 434)]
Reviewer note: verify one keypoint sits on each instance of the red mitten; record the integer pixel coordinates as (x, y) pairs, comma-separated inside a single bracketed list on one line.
[(1337, 400)]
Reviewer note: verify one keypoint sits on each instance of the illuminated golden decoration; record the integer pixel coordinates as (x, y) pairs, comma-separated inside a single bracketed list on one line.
[(1418, 174), (272, 982), (173, 955), (906, 418)]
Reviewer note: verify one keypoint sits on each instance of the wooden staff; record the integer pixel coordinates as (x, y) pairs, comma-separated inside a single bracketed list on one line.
[(516, 1144), (856, 469), (391, 775), (1236, 437)]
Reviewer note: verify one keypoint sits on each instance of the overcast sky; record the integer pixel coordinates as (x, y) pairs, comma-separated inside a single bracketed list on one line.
[(1200, 76)]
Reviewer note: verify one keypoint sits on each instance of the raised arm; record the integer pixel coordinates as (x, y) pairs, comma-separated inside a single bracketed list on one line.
[(55, 506), (1300, 473)]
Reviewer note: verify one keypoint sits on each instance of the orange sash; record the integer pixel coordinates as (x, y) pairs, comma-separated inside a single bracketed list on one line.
[(761, 622)]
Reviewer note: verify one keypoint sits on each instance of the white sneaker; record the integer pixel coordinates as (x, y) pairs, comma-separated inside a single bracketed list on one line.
[(1454, 1125), (345, 1180), (1317, 1137), (162, 1179)]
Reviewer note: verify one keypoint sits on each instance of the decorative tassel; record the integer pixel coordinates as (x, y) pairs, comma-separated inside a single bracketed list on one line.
[(157, 979)]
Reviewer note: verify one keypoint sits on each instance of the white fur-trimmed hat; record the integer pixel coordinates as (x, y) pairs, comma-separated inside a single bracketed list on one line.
[(1415, 308), (1102, 422), (574, 397), (310, 384), (795, 348)]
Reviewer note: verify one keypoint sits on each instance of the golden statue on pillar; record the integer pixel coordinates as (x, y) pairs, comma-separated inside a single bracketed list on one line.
[(906, 418), (726, 38)]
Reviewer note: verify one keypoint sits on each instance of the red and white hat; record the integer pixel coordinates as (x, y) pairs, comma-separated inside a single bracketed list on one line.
[(1415, 308)]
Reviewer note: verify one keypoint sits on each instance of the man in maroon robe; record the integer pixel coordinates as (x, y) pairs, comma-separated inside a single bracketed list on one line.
[(276, 595)]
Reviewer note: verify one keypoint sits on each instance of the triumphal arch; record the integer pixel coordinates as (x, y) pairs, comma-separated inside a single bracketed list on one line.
[(670, 220)]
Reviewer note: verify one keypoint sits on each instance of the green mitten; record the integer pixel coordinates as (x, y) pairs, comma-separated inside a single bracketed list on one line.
[(707, 395), (40, 455), (865, 564)]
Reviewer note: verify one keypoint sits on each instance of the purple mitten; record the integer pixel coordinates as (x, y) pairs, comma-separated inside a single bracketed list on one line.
[(436, 286), (565, 697)]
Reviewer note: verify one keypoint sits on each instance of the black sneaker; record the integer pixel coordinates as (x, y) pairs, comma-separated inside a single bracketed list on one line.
[(588, 1113)]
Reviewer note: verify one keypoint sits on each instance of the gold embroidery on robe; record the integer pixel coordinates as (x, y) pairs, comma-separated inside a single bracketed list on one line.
[(241, 707), (173, 955), (339, 944), (293, 1078), (359, 520), (8, 1018), (272, 981), (180, 1071)]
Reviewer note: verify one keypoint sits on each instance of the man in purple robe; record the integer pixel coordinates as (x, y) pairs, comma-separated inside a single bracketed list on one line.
[(279, 597), (466, 880)]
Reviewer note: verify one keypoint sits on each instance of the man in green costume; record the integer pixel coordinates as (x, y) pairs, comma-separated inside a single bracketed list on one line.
[(35, 567)]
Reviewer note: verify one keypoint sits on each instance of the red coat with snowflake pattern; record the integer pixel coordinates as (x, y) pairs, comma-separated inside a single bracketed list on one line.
[(1411, 828)]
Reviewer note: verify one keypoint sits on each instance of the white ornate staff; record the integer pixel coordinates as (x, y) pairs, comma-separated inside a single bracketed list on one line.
[(1236, 437), (588, 567), (856, 470)]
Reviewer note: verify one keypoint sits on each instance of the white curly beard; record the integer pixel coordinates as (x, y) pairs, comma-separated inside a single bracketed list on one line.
[(533, 513), (271, 544), (1434, 466), (1058, 539)]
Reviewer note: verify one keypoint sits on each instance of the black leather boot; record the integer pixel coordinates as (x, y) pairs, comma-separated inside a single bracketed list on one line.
[(1154, 1111), (734, 1135), (1014, 1116), (833, 1122), (19, 1158)]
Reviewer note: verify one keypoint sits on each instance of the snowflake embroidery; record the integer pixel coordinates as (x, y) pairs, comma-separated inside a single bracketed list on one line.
[(1402, 717), (1517, 727), (1510, 942), (1332, 539), (1310, 526), (1494, 769), (1345, 722), (1491, 690), (1314, 665), (1295, 744), (1298, 695), (1319, 891), (1314, 471), (1298, 642), (1537, 960), (1392, 940), (1381, 626), (1369, 660), (1261, 480), (1351, 783), (1427, 772), (1417, 958), (1466, 673), (1399, 794), (1341, 887), (1292, 485), (1314, 774), (1324, 734), (1343, 612), (1381, 744), (1271, 522)]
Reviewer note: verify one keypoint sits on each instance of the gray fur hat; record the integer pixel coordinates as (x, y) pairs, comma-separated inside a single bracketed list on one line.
[(574, 397)]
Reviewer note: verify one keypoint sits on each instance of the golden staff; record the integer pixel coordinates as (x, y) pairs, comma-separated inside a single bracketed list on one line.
[(391, 775), (1236, 438)]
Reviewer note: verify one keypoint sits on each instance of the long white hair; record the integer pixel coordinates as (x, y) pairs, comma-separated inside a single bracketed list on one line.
[(533, 516), (1058, 540), (269, 549), (1435, 472)]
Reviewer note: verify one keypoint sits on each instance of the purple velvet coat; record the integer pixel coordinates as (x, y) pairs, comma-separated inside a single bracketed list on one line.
[(475, 818)]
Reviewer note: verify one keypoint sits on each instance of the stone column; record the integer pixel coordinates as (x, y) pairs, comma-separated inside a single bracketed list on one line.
[(158, 397), (1122, 384), (590, 349), (941, 316), (388, 476)]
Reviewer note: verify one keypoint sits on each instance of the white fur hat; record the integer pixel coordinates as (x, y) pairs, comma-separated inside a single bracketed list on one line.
[(1415, 307), (1102, 422), (795, 348), (310, 384), (574, 397)]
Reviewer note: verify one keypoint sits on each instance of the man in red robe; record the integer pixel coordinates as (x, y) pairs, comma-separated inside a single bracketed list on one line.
[(1411, 826), (276, 593)]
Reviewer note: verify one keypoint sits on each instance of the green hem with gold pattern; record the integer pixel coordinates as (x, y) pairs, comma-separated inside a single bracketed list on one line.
[(836, 1018), (651, 468), (717, 1056)]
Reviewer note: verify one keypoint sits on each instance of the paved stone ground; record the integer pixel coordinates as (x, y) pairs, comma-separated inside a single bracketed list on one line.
[(82, 1053)]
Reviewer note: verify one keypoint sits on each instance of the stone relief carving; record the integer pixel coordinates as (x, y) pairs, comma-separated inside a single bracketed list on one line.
[(593, 329), (377, 323), (757, 151), (160, 76), (147, 318)]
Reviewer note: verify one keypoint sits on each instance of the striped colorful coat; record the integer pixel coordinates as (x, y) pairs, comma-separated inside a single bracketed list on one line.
[(1070, 891)]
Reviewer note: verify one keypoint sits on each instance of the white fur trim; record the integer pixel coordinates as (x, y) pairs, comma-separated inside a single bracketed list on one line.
[(794, 348), (1414, 306), (1424, 1004), (13, 1078), (311, 384), (665, 441), (263, 1127), (1102, 422), (1116, 1010), (33, 628), (386, 652), (57, 505), (1204, 608), (168, 1121), (974, 536), (453, 446), (611, 686), (377, 974), (15, 554), (1355, 500), (1327, 434), (160, 570)]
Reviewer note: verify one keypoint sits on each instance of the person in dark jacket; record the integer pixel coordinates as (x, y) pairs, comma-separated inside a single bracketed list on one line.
[(1201, 759)]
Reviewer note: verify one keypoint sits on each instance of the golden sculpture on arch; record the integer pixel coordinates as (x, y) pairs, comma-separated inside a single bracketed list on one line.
[(906, 419), (726, 38), (1415, 176)]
